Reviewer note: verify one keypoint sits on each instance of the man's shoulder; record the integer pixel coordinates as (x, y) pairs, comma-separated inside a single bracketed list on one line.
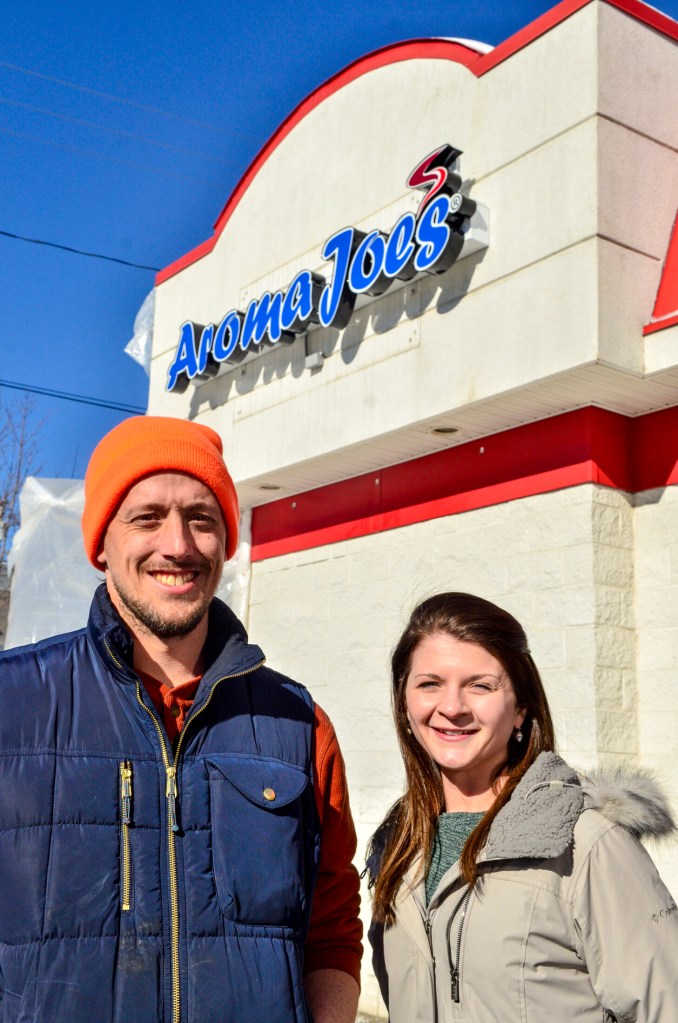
[(284, 683), (52, 649), (279, 678)]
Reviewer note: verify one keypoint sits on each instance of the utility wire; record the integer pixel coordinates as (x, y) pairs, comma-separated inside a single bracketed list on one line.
[(110, 159), (81, 399), (127, 102), (116, 131), (78, 252)]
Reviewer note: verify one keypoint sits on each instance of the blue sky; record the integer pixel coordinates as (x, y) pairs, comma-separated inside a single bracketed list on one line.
[(123, 129)]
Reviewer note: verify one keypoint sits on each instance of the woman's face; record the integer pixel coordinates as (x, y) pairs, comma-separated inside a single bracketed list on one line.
[(462, 709)]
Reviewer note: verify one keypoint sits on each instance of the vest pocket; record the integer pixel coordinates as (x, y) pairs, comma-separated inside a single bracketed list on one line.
[(125, 843), (257, 822)]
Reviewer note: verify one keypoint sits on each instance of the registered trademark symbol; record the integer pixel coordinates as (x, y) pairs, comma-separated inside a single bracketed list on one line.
[(455, 202)]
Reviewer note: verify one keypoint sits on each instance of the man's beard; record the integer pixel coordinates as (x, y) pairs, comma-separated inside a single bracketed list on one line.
[(151, 621)]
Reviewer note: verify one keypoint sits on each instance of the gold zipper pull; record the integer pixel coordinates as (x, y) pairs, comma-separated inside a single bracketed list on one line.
[(126, 792), (171, 792)]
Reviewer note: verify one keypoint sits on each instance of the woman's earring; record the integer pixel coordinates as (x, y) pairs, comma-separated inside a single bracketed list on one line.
[(409, 730), (518, 735)]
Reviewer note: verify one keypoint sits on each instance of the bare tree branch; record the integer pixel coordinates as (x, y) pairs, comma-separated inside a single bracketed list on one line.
[(18, 459)]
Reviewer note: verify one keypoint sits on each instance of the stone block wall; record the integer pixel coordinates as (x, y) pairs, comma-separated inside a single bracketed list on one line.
[(656, 567)]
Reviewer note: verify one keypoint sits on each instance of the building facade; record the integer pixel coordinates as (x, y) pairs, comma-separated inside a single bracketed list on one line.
[(436, 326)]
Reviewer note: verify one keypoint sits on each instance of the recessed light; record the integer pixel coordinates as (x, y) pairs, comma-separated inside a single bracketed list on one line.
[(444, 430), (269, 486)]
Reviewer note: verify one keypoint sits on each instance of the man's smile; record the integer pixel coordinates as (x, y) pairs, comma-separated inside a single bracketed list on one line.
[(173, 579)]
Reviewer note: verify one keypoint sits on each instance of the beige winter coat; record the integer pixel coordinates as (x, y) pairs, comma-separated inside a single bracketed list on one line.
[(570, 922)]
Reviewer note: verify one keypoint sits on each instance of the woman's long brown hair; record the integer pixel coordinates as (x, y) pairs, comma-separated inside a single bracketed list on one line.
[(410, 826)]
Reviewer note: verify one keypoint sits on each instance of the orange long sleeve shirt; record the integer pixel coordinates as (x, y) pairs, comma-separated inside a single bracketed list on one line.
[(335, 931)]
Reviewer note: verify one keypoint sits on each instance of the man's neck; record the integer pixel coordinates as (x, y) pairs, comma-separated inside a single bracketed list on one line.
[(172, 661)]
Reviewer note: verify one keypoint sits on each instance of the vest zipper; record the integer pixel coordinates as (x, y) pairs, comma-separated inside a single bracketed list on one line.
[(125, 822), (171, 794)]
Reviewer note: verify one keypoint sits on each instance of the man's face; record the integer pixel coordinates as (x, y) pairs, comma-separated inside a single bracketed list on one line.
[(164, 554)]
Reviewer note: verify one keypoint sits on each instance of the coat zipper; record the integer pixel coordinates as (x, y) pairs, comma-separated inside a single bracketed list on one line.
[(455, 977), (429, 926), (171, 794), (125, 822)]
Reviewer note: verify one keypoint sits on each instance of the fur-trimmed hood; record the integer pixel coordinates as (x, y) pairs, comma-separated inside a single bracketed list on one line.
[(631, 798), (539, 819)]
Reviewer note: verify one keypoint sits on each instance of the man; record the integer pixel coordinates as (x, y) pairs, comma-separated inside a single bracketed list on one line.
[(175, 834)]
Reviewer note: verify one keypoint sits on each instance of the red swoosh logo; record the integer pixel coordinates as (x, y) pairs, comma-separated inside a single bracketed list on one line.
[(431, 173)]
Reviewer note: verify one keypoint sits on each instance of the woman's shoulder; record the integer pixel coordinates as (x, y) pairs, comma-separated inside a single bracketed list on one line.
[(628, 798), (612, 874), (378, 842)]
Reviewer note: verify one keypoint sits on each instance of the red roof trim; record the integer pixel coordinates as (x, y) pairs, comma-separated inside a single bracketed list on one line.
[(648, 15), (483, 497), (524, 36), (668, 321), (665, 312), (588, 445), (433, 49), (414, 49)]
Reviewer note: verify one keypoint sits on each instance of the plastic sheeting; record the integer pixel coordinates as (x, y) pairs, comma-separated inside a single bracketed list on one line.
[(140, 346), (52, 581)]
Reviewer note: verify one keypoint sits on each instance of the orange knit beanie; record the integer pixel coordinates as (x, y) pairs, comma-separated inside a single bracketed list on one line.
[(144, 445)]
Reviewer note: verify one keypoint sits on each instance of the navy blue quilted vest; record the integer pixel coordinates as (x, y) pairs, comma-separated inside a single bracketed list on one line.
[(142, 886)]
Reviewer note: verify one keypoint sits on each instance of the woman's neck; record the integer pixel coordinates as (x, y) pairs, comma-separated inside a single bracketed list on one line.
[(470, 796)]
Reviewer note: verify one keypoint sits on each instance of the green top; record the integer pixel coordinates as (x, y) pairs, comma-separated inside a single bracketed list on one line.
[(451, 834)]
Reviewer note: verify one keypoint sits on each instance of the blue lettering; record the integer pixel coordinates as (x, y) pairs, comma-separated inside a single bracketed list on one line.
[(371, 252), (336, 301), (432, 233), (400, 248), (301, 301), (184, 361), (262, 317), (362, 263), (227, 336), (205, 351)]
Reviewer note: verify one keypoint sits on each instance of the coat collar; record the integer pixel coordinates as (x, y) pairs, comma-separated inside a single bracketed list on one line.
[(538, 821)]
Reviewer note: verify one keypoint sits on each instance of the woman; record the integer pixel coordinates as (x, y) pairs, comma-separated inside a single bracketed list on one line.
[(505, 886)]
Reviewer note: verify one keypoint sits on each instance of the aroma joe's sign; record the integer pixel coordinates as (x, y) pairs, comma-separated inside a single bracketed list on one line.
[(428, 241)]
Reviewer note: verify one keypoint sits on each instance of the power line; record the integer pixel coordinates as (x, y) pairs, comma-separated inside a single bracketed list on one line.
[(109, 159), (78, 252), (127, 102), (81, 399), (116, 131)]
